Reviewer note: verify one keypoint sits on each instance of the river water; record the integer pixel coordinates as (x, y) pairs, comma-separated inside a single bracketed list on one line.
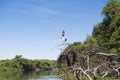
[(44, 75)]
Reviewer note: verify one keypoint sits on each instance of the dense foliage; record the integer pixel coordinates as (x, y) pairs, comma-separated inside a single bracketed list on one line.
[(21, 64), (107, 33)]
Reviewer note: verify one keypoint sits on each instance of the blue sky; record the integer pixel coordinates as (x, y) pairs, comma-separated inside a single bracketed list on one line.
[(31, 28)]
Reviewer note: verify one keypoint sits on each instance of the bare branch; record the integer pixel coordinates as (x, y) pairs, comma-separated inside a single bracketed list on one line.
[(105, 54), (85, 73), (117, 70), (95, 71), (105, 74)]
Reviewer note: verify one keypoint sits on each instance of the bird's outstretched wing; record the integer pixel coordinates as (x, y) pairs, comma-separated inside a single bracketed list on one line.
[(63, 33)]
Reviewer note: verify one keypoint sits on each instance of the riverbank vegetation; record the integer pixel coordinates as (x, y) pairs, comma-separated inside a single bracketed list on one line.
[(22, 64)]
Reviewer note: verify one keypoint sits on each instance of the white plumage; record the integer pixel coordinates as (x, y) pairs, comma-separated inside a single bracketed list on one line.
[(63, 39)]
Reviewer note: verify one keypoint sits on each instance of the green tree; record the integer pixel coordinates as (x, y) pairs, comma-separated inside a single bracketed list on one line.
[(107, 33)]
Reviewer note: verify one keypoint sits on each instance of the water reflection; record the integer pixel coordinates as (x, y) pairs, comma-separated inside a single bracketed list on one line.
[(44, 75)]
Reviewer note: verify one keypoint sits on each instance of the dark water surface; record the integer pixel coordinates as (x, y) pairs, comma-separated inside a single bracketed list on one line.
[(44, 75)]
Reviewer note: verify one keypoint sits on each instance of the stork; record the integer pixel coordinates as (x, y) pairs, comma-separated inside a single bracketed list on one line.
[(63, 39)]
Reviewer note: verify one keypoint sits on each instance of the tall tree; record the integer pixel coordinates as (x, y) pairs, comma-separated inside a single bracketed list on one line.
[(107, 32)]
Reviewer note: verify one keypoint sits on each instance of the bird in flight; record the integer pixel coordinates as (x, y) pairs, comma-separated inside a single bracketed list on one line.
[(63, 39)]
